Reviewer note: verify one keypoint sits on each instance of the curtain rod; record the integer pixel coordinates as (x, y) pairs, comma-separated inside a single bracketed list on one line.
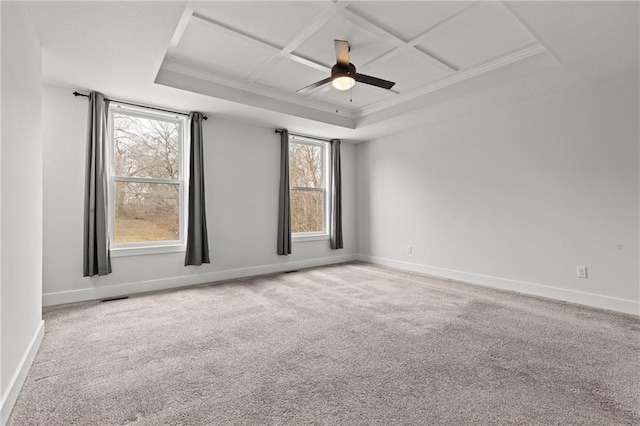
[(141, 106), (304, 136)]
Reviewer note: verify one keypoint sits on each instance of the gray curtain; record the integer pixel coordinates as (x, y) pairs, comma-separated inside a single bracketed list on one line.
[(335, 231), (284, 204), (97, 257), (197, 240)]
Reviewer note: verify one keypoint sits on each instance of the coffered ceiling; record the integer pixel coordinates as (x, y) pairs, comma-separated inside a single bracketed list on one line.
[(268, 50), (245, 60)]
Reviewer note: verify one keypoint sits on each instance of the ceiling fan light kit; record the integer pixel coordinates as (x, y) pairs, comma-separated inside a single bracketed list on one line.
[(343, 73), (341, 78), (343, 83)]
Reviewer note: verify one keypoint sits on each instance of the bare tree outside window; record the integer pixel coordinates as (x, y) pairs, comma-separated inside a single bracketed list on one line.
[(146, 175), (307, 187)]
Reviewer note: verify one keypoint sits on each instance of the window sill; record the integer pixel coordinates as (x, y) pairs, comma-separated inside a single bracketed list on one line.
[(308, 237), (142, 251)]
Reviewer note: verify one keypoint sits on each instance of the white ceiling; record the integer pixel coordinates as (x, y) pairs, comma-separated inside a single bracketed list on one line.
[(247, 59)]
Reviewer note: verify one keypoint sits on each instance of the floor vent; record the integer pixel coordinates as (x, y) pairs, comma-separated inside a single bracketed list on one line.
[(111, 299)]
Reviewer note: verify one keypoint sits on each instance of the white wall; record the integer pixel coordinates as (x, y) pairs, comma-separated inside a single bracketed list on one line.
[(242, 175), (21, 202), (515, 197)]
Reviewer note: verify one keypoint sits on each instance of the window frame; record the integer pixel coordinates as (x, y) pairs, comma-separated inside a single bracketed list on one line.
[(325, 189), (148, 247)]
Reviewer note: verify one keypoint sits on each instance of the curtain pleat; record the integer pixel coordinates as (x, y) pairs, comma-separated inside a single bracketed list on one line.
[(335, 231), (97, 256), (284, 202), (197, 239)]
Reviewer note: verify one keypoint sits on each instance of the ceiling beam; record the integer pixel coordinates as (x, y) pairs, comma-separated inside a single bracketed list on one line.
[(511, 57), (260, 69), (314, 26), (414, 41), (179, 32), (275, 51), (232, 32), (310, 29), (309, 63), (397, 42), (382, 58)]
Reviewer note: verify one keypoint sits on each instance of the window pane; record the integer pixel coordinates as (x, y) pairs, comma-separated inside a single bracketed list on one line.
[(146, 212), (305, 165), (306, 210), (145, 147)]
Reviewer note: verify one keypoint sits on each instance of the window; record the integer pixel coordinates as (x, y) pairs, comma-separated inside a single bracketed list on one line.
[(146, 180), (308, 177)]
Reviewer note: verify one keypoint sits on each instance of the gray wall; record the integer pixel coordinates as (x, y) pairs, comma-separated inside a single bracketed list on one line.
[(242, 173), (514, 197), (20, 201)]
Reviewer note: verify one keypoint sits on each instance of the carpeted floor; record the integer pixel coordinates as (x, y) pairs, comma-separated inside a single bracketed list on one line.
[(348, 344)]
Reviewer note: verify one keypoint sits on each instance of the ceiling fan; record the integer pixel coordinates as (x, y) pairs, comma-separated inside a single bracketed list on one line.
[(343, 73)]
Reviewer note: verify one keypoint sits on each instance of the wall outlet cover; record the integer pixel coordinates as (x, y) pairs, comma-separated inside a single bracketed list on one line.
[(581, 271)]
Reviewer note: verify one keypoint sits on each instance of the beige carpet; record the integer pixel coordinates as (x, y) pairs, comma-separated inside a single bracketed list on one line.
[(349, 344)]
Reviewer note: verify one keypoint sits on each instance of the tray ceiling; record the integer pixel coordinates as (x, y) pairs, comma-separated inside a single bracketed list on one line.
[(261, 53)]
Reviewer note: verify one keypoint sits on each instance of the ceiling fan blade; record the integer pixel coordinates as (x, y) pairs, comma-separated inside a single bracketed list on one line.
[(314, 85), (342, 52), (374, 81)]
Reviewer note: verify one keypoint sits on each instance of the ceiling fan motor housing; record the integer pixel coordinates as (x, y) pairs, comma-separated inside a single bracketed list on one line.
[(339, 70)]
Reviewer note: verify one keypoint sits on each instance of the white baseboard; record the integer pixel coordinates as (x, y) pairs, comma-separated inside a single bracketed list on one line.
[(10, 397), (95, 293), (573, 296)]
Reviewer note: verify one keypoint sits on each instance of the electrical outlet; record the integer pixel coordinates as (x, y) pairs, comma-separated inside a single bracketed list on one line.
[(581, 271), (409, 249)]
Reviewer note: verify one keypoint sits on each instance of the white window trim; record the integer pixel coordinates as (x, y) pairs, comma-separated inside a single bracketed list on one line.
[(143, 251), (302, 237), (150, 247), (324, 235)]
